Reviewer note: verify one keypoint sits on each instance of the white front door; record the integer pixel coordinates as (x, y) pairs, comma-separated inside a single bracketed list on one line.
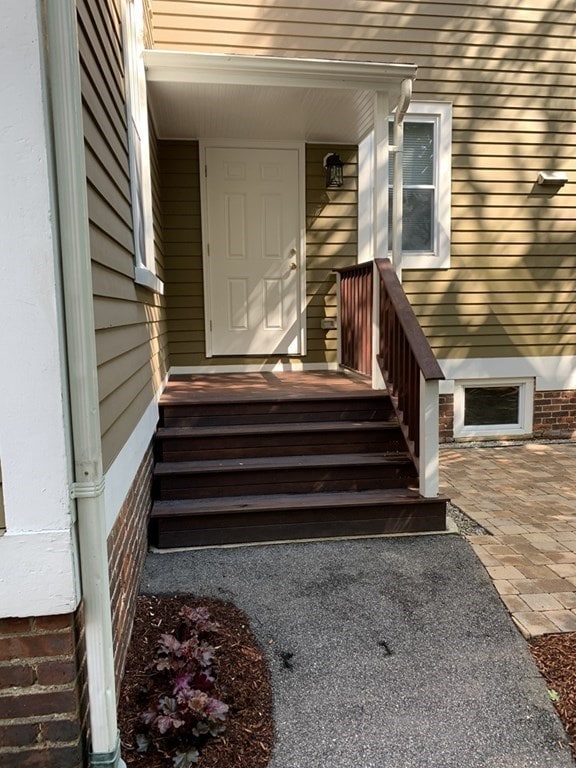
[(253, 232)]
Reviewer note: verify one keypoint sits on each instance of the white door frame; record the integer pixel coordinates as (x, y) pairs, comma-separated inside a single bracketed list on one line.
[(300, 147)]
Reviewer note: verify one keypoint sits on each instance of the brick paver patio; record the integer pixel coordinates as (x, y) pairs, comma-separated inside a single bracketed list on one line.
[(525, 496)]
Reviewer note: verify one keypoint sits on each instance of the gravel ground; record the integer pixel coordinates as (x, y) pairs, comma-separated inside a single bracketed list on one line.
[(466, 526), (384, 653)]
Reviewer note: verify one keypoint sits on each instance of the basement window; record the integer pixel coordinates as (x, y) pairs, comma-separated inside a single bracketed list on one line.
[(493, 408)]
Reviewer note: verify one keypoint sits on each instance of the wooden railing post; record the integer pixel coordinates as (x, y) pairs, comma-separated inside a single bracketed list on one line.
[(339, 318), (377, 377), (429, 442)]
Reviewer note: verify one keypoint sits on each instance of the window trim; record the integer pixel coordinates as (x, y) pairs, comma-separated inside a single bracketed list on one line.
[(441, 114), (521, 428), (139, 149)]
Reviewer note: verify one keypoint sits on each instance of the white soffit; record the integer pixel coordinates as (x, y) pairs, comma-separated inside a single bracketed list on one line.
[(216, 96)]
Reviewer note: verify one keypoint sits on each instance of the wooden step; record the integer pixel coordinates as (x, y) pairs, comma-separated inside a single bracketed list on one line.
[(187, 443), (274, 410), (282, 474), (293, 516)]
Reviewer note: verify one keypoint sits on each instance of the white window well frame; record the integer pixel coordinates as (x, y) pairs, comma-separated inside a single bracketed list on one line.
[(521, 428), (139, 148), (440, 113)]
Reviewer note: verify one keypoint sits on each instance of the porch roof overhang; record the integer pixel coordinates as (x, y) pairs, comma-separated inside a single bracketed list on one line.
[(200, 95)]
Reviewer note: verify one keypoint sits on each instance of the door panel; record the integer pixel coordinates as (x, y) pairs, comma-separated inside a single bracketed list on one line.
[(252, 224)]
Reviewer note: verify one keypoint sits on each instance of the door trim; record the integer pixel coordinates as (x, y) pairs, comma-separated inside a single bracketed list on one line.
[(300, 147)]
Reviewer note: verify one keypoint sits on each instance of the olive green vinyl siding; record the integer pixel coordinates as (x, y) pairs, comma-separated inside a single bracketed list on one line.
[(331, 237), (130, 328), (509, 70)]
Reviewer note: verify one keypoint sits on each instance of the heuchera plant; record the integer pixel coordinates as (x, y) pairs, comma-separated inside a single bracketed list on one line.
[(189, 712)]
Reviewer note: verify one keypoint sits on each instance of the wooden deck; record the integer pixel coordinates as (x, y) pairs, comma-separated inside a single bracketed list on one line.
[(266, 456), (235, 387)]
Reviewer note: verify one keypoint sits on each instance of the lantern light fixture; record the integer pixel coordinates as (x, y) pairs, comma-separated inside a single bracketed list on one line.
[(333, 166)]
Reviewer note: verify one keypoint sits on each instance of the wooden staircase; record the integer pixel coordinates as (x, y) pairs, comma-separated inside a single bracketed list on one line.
[(277, 467)]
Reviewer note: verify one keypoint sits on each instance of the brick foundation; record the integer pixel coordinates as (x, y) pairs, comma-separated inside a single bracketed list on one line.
[(127, 546), (40, 686), (446, 427), (555, 414)]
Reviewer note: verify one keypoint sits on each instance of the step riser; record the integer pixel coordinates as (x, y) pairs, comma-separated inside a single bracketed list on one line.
[(288, 412), (378, 519), (300, 480), (225, 447)]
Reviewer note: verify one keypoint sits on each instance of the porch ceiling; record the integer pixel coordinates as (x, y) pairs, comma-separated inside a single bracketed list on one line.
[(256, 97)]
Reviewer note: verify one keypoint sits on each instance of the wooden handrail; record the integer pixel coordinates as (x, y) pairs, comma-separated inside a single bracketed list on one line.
[(415, 337)]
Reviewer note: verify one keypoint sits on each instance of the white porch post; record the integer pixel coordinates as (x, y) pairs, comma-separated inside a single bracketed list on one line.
[(429, 443), (380, 217), (398, 186)]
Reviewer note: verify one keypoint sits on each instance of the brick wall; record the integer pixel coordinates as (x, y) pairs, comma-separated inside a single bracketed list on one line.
[(127, 546), (446, 429), (39, 693), (555, 414)]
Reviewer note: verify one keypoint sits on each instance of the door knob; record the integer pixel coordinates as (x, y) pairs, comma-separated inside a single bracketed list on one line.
[(293, 265)]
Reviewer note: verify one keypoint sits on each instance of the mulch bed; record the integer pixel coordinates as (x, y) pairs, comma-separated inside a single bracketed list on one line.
[(242, 681), (555, 656)]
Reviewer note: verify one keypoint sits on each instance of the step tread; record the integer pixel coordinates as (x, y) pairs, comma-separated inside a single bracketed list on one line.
[(281, 462), (266, 429), (175, 399), (287, 501)]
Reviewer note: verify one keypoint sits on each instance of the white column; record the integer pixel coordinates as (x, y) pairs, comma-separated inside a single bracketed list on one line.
[(380, 217), (429, 442), (37, 558), (366, 199)]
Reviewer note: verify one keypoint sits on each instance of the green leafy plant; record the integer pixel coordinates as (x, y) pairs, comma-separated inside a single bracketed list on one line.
[(189, 710)]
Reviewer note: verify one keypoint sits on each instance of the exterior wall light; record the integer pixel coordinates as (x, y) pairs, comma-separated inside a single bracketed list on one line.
[(552, 178), (334, 170)]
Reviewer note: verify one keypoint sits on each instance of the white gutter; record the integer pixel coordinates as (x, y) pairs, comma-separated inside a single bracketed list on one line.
[(68, 138), (282, 71)]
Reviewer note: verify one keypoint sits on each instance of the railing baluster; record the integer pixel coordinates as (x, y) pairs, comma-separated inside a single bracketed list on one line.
[(404, 354)]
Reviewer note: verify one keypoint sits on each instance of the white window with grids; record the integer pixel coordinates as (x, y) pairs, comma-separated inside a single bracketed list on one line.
[(139, 147), (426, 188)]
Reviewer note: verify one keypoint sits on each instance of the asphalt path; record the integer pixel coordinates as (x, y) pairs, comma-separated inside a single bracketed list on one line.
[(384, 653)]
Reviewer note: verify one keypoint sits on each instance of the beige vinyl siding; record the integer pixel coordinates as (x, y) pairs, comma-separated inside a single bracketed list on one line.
[(331, 217), (130, 325), (509, 70)]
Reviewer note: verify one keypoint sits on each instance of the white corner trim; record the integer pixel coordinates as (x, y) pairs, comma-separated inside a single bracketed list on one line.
[(37, 577), (122, 471), (550, 373)]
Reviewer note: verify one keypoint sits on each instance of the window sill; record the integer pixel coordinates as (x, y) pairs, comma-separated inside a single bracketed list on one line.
[(147, 279), (425, 261)]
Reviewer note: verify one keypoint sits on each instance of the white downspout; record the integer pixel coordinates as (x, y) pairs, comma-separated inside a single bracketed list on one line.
[(68, 138)]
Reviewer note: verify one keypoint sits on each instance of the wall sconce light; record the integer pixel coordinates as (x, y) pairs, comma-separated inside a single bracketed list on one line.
[(334, 170), (552, 178)]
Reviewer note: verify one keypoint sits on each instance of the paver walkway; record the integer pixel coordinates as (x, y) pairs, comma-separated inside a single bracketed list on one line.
[(525, 496)]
